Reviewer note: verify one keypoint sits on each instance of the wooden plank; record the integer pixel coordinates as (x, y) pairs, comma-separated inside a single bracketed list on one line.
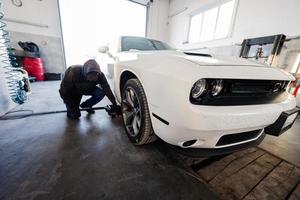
[(240, 182), (278, 184), (235, 166), (296, 194), (211, 171)]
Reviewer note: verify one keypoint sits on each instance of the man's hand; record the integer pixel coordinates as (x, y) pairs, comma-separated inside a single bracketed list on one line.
[(114, 110)]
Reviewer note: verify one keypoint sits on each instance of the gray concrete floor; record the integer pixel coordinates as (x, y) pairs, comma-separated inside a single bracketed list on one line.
[(51, 157)]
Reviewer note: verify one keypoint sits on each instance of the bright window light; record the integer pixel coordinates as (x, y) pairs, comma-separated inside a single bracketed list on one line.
[(209, 24), (212, 24), (224, 20), (88, 24), (195, 29)]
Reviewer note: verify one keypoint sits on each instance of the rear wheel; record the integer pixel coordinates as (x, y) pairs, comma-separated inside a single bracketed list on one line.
[(135, 111)]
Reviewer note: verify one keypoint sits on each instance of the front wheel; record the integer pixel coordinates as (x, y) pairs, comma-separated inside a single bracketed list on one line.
[(136, 115)]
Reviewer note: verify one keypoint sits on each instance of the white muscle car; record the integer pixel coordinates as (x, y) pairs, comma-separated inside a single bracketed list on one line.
[(196, 100)]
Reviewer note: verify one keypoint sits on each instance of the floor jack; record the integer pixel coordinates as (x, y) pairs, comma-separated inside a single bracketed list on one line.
[(11, 115)]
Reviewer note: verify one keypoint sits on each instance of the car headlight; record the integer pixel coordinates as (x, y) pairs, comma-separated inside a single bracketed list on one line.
[(199, 88), (217, 86)]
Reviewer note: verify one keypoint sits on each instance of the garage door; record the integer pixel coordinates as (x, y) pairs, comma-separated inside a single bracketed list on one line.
[(88, 24)]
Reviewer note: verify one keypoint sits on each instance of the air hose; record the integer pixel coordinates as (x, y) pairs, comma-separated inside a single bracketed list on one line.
[(16, 78), (20, 114)]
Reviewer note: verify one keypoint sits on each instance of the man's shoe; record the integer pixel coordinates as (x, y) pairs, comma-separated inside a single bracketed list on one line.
[(72, 117)]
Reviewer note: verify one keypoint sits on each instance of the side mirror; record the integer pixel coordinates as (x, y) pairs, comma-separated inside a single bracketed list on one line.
[(103, 49)]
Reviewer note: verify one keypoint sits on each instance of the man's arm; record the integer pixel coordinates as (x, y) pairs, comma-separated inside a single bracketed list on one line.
[(106, 89)]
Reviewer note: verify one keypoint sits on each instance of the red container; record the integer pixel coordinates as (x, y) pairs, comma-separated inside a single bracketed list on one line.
[(35, 68)]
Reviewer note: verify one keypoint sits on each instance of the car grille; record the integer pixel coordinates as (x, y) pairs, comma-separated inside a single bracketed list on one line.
[(250, 87), (247, 92), (238, 137)]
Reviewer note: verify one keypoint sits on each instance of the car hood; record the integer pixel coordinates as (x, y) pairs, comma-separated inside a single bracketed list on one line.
[(193, 67), (217, 60), (211, 60)]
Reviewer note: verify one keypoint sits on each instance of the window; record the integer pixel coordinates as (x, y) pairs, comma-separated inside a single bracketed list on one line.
[(211, 24), (143, 44)]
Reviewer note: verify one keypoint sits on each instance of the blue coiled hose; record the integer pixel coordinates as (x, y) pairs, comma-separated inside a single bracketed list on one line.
[(15, 76)]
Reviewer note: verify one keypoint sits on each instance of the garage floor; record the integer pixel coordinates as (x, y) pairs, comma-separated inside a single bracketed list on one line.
[(250, 174), (51, 157)]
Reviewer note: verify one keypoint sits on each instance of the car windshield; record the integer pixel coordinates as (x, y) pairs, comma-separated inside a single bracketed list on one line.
[(143, 44)]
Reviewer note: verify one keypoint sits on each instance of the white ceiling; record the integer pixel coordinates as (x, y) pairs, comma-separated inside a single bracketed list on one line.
[(143, 2)]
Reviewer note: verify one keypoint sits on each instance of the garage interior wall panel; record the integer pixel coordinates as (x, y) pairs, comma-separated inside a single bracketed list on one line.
[(157, 24), (45, 30), (50, 48)]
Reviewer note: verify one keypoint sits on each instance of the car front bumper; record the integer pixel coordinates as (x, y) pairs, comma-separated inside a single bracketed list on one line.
[(208, 124)]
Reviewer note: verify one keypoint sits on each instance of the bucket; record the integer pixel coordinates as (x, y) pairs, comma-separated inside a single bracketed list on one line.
[(35, 68)]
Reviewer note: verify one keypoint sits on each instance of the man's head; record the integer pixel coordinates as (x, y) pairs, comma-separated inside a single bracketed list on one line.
[(91, 70)]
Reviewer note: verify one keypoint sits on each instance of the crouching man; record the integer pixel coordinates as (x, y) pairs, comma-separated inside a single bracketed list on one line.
[(82, 80)]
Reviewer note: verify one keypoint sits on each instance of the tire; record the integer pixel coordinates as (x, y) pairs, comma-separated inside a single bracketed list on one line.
[(136, 115)]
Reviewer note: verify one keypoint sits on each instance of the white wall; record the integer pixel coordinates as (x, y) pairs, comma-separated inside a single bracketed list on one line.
[(157, 27), (41, 12), (254, 18), (48, 38)]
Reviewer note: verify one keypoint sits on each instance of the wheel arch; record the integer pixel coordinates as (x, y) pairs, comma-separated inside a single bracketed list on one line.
[(125, 76)]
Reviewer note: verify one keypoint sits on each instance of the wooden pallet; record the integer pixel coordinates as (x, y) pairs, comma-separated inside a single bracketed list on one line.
[(250, 174)]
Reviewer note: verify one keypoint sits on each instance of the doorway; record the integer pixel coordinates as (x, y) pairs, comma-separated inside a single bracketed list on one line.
[(88, 24)]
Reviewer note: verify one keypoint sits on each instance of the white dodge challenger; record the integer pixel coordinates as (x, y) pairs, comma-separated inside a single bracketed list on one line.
[(198, 100)]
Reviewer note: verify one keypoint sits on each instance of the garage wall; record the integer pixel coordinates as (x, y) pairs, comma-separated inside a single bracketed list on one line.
[(254, 18), (157, 24), (37, 21), (38, 12)]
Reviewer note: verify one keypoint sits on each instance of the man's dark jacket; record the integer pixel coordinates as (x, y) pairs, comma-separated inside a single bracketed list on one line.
[(74, 83)]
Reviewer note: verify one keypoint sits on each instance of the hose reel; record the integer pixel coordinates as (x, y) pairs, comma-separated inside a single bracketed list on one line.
[(16, 78)]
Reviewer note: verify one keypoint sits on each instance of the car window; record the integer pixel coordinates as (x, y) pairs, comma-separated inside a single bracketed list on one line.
[(161, 45), (143, 44)]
